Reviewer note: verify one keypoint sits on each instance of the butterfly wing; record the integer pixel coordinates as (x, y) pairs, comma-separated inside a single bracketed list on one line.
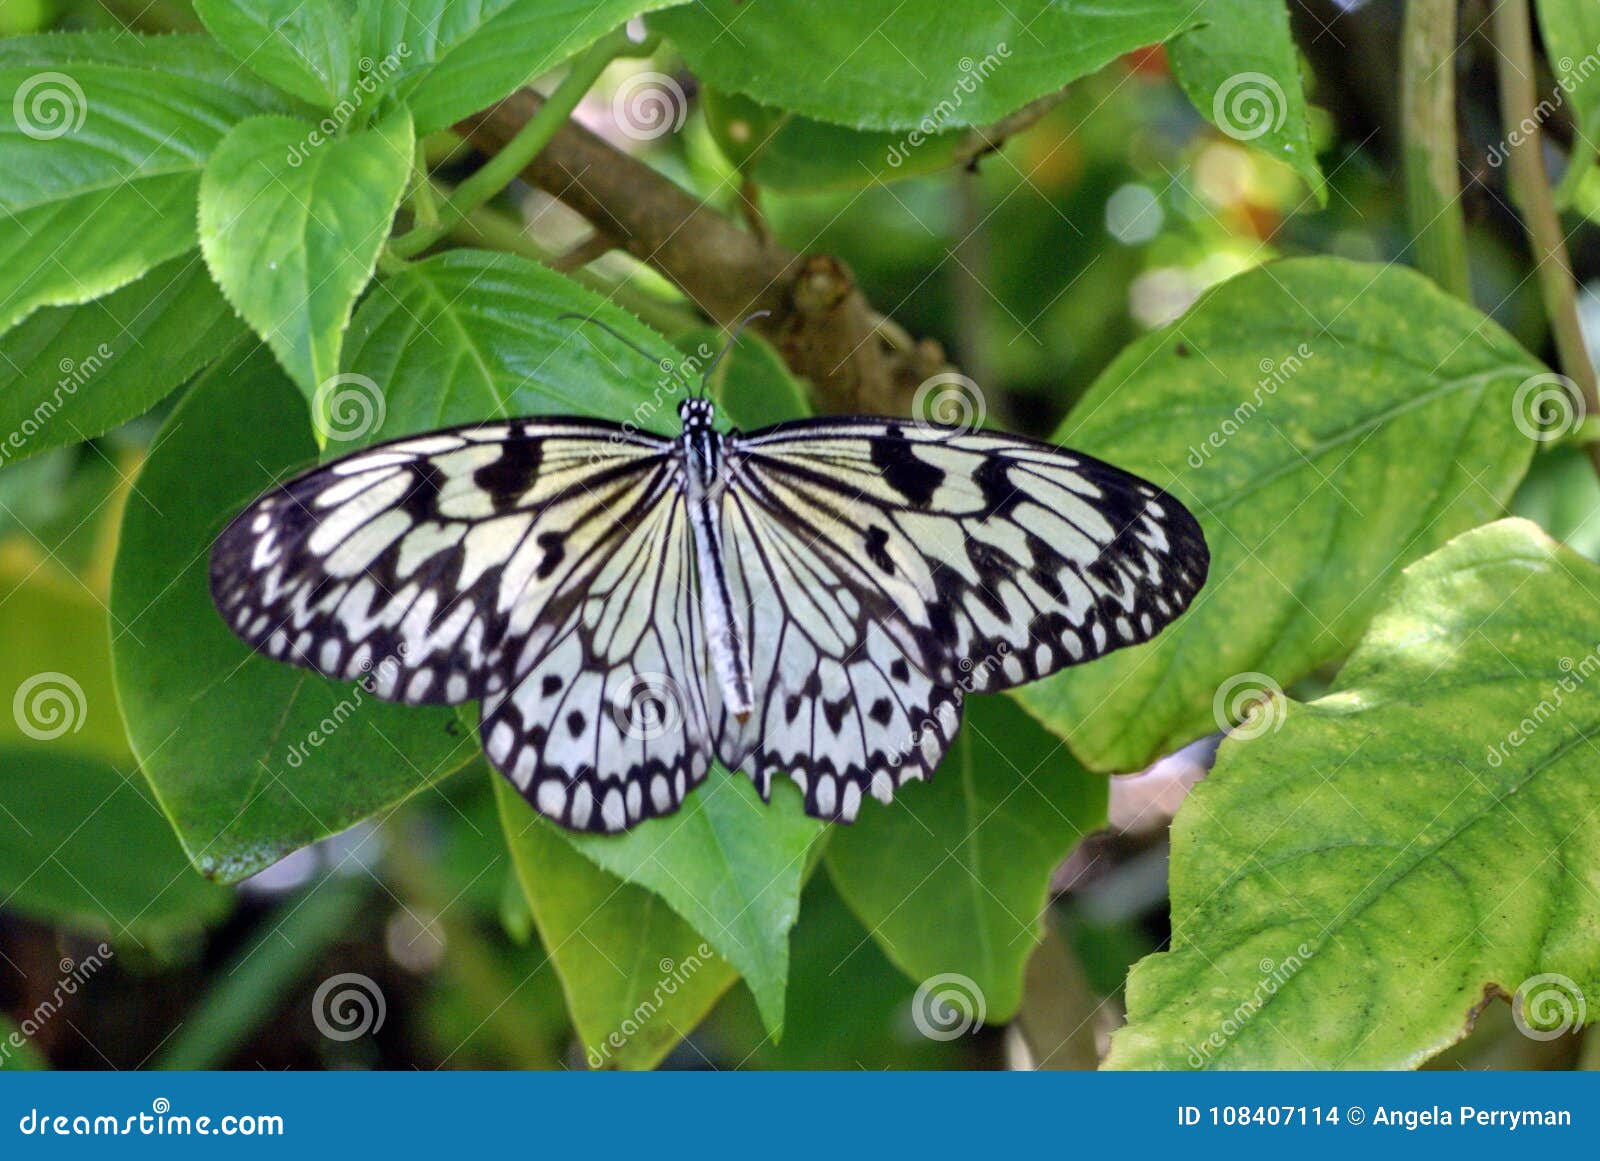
[(975, 560), (480, 563)]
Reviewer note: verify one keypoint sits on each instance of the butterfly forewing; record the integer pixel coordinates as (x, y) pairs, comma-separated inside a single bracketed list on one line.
[(877, 572)]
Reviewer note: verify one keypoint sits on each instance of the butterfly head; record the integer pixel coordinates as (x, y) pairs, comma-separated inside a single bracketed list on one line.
[(696, 413)]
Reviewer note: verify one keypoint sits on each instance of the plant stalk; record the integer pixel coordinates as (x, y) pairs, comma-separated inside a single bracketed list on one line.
[(1428, 133)]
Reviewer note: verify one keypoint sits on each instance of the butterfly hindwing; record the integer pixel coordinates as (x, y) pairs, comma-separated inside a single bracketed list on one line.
[(605, 723)]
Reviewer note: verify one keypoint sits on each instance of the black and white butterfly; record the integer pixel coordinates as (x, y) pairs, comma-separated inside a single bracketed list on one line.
[(813, 599)]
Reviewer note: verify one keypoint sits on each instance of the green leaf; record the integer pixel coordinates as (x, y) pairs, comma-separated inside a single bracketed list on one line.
[(953, 878), (84, 845), (787, 152), (291, 224), (305, 47), (448, 60), (70, 373), (55, 669), (1351, 883), (99, 169), (1242, 71), (471, 335), (1327, 422), (637, 977), (731, 866), (250, 758), (1562, 496), (882, 64), (17, 1050)]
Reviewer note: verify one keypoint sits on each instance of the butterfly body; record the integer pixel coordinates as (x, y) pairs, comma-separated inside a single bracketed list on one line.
[(811, 600)]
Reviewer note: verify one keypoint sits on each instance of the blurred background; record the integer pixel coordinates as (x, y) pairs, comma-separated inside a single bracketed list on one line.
[(1103, 221)]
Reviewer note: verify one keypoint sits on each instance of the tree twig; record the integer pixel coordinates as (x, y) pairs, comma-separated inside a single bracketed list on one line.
[(821, 323), (1530, 189)]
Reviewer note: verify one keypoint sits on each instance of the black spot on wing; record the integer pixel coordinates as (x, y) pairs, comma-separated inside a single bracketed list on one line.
[(895, 456), (508, 478), (876, 539), (555, 551)]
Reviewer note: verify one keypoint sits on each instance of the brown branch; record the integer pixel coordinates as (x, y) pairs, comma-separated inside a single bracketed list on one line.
[(821, 322)]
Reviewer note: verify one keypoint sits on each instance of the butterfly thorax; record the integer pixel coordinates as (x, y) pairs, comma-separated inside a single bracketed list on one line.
[(701, 446)]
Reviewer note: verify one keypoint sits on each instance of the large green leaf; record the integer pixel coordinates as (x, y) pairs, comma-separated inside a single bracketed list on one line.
[(1328, 422), (71, 373), (952, 878), (885, 64), (637, 977), (250, 758), (1349, 885), (1242, 71), (305, 47), (291, 225), (99, 168), (449, 59), (83, 844), (472, 334), (730, 865)]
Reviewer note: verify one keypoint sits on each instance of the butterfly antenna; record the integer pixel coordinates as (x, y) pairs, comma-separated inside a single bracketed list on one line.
[(705, 377), (612, 331)]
